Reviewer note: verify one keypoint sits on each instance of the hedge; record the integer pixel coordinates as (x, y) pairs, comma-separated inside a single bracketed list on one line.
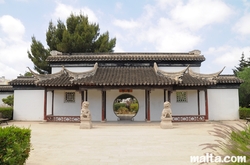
[(14, 145), (7, 112), (244, 113)]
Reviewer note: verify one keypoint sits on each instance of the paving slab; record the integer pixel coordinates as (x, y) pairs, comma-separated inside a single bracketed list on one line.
[(123, 143)]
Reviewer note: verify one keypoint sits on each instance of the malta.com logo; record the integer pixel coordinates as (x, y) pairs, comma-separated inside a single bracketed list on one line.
[(210, 158)]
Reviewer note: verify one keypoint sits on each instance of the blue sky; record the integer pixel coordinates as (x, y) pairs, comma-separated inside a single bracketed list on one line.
[(220, 29)]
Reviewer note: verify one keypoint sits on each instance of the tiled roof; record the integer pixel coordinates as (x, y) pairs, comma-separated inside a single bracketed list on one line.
[(63, 80), (226, 79), (21, 80), (6, 88), (126, 57), (188, 80), (109, 76), (126, 76)]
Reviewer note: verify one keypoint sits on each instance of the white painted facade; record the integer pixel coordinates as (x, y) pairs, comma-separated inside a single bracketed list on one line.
[(223, 104), (31, 107), (28, 105), (73, 69)]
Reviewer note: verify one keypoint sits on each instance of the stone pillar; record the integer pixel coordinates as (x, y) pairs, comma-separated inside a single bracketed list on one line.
[(85, 117), (166, 117)]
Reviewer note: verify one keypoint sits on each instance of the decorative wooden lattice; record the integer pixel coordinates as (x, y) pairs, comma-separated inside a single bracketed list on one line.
[(75, 119), (189, 118)]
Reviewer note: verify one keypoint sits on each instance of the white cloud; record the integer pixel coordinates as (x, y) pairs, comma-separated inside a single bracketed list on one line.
[(243, 25), (197, 14), (12, 27), (228, 56), (118, 6), (124, 24), (63, 11), (13, 49), (167, 36)]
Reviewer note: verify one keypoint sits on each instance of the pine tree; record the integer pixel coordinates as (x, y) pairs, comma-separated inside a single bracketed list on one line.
[(243, 64), (77, 36)]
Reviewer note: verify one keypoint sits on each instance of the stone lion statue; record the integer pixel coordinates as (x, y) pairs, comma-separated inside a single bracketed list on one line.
[(85, 112), (166, 112)]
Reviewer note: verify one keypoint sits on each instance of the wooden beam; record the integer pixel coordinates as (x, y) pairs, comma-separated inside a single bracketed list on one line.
[(198, 100), (148, 93), (103, 106), (146, 104), (86, 95), (164, 95), (206, 105), (45, 105), (169, 96), (52, 108)]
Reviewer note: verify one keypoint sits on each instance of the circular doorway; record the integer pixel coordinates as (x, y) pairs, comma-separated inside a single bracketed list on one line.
[(125, 107)]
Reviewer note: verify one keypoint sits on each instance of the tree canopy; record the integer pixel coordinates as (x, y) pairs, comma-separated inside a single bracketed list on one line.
[(244, 91), (77, 35), (243, 72), (243, 63)]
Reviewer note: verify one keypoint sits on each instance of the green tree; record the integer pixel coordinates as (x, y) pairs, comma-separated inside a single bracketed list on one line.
[(38, 55), (77, 35), (9, 100), (244, 91), (243, 63)]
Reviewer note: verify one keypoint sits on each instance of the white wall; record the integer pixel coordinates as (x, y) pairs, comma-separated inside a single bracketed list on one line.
[(95, 104), (156, 104), (62, 108), (177, 69), (28, 105), (223, 104), (185, 108), (73, 69), (4, 95), (113, 94)]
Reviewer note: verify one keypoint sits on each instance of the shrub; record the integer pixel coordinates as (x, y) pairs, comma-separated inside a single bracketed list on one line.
[(134, 107), (244, 113), (122, 110), (9, 100), (233, 142), (7, 112), (118, 105), (14, 145)]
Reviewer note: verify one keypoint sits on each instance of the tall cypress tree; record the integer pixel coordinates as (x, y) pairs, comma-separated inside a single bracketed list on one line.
[(78, 35)]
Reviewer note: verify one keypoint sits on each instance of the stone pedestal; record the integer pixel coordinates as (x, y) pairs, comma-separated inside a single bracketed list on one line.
[(166, 123), (85, 124)]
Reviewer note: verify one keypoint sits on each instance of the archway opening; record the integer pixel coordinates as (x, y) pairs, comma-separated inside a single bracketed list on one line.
[(125, 107)]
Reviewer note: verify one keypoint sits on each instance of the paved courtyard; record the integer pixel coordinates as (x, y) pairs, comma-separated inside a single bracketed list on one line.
[(119, 143)]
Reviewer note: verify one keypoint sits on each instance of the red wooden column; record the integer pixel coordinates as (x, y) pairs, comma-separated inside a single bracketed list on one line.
[(103, 106), (147, 99), (198, 100), (45, 104), (206, 104)]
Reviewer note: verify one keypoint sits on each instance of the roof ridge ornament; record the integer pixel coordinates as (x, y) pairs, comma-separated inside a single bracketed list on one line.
[(40, 77), (173, 75), (79, 75), (208, 76)]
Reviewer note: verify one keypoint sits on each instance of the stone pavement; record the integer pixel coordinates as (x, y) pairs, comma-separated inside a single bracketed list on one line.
[(117, 143)]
